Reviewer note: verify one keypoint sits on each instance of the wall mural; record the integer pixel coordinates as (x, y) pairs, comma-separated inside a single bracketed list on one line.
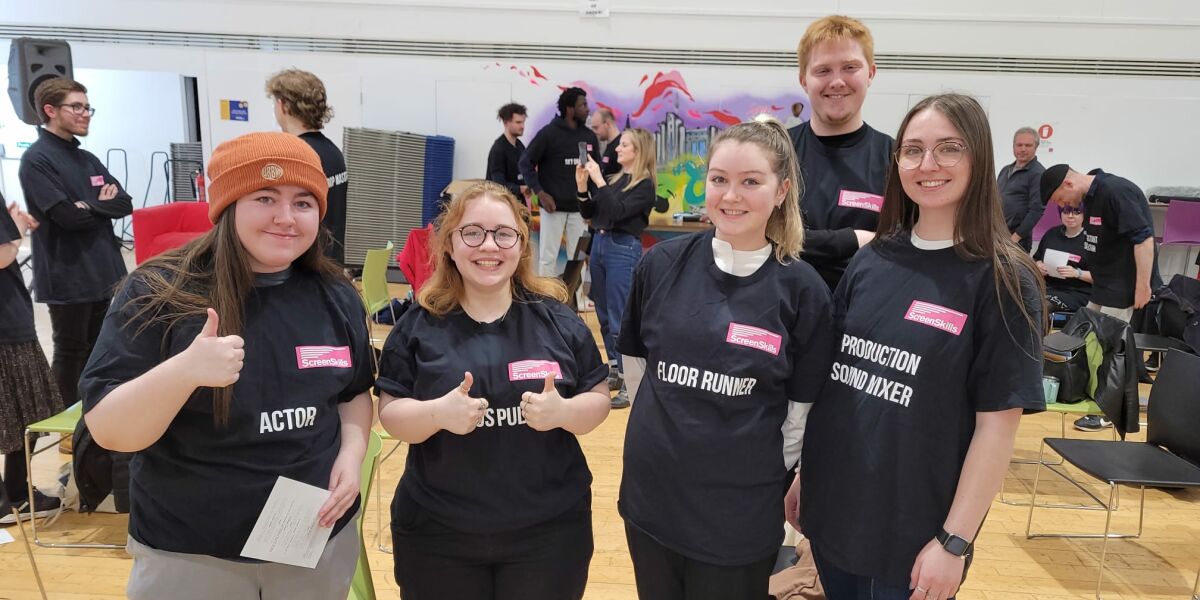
[(683, 122)]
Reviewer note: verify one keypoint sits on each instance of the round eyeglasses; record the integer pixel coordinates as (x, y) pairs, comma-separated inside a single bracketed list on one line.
[(474, 236), (945, 154)]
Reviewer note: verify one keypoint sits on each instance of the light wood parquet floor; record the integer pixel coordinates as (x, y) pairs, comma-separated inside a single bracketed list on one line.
[(1161, 565)]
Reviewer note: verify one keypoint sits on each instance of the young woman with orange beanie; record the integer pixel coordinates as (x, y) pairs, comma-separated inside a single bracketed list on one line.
[(237, 359)]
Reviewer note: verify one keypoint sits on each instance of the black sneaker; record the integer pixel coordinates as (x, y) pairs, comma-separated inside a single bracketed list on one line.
[(615, 381), (1092, 423), (43, 506), (621, 400)]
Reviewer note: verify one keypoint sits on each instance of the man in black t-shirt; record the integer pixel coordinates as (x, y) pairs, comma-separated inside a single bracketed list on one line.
[(1020, 187), (1119, 230), (302, 109), (604, 124), (506, 151), (77, 259), (842, 159)]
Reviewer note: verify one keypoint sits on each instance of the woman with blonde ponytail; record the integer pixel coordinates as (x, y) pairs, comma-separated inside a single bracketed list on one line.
[(726, 338)]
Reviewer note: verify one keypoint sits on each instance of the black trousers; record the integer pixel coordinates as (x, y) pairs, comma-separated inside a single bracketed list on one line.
[(663, 574), (74, 329), (547, 561)]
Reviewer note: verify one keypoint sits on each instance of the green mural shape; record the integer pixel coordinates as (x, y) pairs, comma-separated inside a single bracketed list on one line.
[(681, 182)]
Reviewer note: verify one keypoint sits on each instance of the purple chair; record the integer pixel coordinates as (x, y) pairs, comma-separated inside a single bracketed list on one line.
[(1182, 223), (1049, 220)]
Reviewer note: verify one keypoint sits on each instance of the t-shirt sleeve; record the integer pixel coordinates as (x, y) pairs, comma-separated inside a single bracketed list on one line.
[(41, 187), (811, 341), (360, 340), (126, 348), (1131, 211), (591, 368), (8, 227), (1006, 371), (830, 244), (397, 362), (629, 341)]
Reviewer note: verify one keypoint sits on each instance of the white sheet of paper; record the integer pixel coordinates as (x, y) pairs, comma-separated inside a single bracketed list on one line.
[(1053, 259), (5, 537), (286, 531)]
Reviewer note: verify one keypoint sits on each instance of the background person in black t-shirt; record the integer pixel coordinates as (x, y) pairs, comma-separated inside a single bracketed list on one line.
[(843, 160), (734, 335), (491, 378), (619, 211), (301, 108), (77, 260), (941, 320), (27, 391), (1119, 232), (1070, 285), (604, 124), (240, 358), (503, 158)]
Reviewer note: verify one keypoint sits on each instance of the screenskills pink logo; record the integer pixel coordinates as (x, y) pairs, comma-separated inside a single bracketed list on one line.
[(313, 357), (1095, 220), (754, 337), (525, 370), (863, 200), (938, 317)]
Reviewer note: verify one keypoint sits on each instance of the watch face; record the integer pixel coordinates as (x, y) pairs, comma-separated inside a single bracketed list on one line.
[(956, 545)]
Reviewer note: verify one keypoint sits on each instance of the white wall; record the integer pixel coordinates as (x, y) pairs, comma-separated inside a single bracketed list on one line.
[(1142, 128)]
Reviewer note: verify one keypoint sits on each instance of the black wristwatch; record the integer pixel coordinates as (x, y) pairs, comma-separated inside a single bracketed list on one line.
[(953, 544)]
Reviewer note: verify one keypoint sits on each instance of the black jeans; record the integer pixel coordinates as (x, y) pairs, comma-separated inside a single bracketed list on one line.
[(843, 585), (547, 561), (74, 328), (663, 574)]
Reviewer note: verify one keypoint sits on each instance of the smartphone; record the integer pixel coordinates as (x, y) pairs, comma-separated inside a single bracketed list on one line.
[(583, 154)]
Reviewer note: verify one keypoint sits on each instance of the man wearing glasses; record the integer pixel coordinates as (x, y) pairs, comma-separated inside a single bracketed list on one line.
[(1019, 187), (76, 257)]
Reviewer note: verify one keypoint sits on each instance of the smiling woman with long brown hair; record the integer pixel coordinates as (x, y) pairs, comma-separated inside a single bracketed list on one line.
[(227, 364)]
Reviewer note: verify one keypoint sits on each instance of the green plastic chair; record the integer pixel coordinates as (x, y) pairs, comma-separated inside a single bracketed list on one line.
[(63, 423), (374, 279), (387, 437), (362, 587)]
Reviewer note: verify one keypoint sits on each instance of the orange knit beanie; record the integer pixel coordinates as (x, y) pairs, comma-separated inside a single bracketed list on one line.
[(258, 160)]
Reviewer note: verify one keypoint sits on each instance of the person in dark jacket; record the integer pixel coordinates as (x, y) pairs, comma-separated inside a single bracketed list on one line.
[(1020, 188), (77, 258), (548, 166), (619, 210), (503, 158)]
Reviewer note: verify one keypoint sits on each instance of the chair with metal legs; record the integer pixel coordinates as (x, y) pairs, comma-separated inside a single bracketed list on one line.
[(1168, 458), (1077, 409), (64, 424)]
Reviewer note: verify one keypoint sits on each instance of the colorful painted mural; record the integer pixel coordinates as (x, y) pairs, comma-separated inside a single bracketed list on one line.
[(683, 122)]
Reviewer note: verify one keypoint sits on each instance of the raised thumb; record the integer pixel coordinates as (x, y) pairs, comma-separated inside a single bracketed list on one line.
[(467, 382), (549, 384), (210, 326)]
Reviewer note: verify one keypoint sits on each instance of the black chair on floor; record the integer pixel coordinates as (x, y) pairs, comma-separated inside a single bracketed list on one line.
[(1168, 458)]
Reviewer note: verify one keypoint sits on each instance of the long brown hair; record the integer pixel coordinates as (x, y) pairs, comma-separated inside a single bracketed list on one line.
[(444, 290), (212, 271), (980, 232), (785, 226)]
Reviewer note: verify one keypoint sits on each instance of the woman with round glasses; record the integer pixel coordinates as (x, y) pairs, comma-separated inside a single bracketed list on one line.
[(1068, 286), (490, 379), (941, 319)]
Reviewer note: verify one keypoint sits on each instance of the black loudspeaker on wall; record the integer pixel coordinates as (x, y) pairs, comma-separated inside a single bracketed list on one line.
[(30, 62)]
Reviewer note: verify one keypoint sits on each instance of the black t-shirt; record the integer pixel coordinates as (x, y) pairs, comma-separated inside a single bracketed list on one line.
[(1056, 239), (83, 263), (608, 162), (333, 163), (1114, 208), (844, 179), (612, 208), (704, 469), (924, 346), (16, 307), (504, 475), (200, 488), (502, 164)]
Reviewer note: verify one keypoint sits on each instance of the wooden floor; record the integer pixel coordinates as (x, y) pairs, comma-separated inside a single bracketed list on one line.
[(1161, 565)]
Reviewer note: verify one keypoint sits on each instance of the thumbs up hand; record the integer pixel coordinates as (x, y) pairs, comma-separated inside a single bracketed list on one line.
[(544, 411), (457, 412), (214, 360)]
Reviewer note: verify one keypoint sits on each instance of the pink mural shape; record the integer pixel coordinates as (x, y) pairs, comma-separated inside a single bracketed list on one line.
[(663, 83), (723, 117), (537, 73)]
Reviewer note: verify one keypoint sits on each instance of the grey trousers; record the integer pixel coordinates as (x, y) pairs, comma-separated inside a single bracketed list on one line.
[(159, 574)]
